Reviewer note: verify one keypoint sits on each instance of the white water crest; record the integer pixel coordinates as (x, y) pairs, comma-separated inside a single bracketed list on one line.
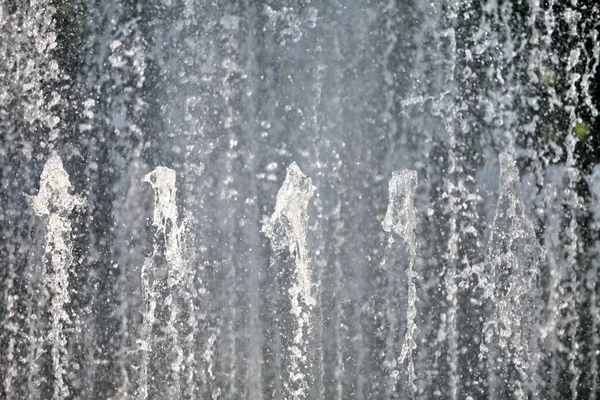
[(166, 220), (286, 228)]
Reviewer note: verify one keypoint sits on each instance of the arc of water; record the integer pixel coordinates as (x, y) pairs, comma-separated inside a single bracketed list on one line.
[(400, 219), (165, 220), (54, 203), (286, 229)]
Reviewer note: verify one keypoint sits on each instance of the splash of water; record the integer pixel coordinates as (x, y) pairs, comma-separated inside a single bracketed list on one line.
[(286, 229), (509, 285), (162, 285), (483, 76), (54, 203)]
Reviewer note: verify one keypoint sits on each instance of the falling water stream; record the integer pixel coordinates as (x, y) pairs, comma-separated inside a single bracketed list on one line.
[(299, 199)]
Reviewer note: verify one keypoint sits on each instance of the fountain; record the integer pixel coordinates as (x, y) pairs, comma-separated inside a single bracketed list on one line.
[(299, 199)]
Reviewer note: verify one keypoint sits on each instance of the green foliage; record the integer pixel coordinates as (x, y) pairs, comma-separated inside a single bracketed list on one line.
[(548, 76), (581, 130)]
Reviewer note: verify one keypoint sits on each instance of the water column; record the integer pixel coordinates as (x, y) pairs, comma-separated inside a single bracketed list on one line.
[(54, 204), (509, 283), (164, 278), (286, 229), (401, 219), (28, 44)]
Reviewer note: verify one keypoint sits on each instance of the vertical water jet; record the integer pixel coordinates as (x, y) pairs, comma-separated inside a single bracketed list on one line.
[(509, 284), (164, 278), (401, 220), (286, 229), (55, 204)]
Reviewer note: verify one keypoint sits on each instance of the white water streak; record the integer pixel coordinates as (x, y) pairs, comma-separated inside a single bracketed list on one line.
[(401, 219)]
